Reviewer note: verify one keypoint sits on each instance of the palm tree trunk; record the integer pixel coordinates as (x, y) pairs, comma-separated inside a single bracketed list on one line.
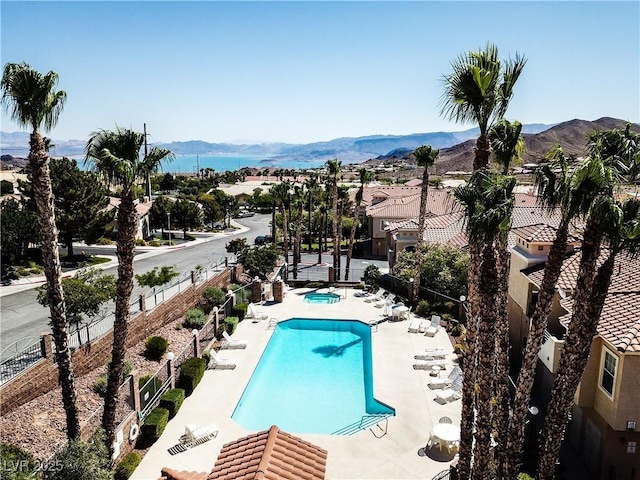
[(285, 236), (273, 225), (526, 376), (298, 239), (125, 251), (334, 225), (502, 359), (482, 152), (591, 291), (352, 237), (488, 291), (339, 243), (310, 237), (422, 220), (469, 359), (43, 195)]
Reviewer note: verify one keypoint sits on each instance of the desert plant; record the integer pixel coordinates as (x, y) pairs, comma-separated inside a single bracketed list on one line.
[(100, 385), (239, 310), (458, 330), (194, 318), (155, 347), (127, 466), (206, 355), (214, 296), (80, 460), (423, 309)]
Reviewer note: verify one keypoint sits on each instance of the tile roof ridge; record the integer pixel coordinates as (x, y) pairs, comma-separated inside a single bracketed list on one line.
[(263, 466)]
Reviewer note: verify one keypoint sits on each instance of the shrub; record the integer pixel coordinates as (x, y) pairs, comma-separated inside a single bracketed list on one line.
[(314, 285), (372, 276), (189, 237), (423, 309), (214, 296), (140, 242), (458, 348), (155, 423), (172, 400), (458, 330), (127, 466), (142, 381), (239, 310), (80, 460), (230, 324), (241, 294), (191, 373), (100, 387), (206, 355), (194, 318), (13, 455), (154, 243), (155, 347), (104, 241)]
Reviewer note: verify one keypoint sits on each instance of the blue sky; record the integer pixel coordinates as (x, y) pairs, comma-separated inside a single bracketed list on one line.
[(300, 72)]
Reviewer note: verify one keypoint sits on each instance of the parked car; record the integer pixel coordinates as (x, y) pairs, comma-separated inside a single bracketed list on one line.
[(262, 239)]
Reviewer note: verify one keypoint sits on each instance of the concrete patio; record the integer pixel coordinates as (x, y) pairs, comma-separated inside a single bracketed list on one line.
[(399, 454)]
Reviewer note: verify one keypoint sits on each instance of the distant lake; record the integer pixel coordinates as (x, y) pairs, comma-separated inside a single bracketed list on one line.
[(221, 163)]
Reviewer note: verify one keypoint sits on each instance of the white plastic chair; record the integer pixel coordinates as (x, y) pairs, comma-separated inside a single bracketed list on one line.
[(195, 435), (232, 342), (218, 362), (255, 313)]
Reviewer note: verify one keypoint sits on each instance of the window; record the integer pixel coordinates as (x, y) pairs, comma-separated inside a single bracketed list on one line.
[(609, 367), (540, 248)]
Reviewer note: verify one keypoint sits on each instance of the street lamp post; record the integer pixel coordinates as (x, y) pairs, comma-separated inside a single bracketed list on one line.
[(169, 226)]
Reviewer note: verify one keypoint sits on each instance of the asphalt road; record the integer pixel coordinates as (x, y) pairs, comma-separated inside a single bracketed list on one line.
[(23, 319)]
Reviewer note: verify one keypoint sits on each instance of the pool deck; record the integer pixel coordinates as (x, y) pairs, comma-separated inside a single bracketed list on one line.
[(399, 454)]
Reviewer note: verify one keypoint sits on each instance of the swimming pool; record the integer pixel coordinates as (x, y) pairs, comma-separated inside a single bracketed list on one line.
[(315, 297), (315, 376)]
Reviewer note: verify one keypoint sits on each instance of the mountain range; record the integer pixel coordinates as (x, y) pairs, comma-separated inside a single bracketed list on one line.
[(456, 148)]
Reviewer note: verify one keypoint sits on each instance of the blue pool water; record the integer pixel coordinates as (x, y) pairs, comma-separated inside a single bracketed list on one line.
[(315, 376), (321, 298)]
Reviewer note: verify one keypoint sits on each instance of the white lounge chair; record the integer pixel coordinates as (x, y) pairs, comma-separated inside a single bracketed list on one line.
[(429, 364), (446, 382), (434, 327), (196, 435), (379, 295), (452, 393), (255, 313), (219, 362), (232, 342), (415, 325), (386, 301), (431, 354)]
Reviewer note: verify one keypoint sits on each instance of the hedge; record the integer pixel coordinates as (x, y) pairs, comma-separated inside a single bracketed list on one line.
[(172, 400), (127, 466), (240, 310), (191, 373), (155, 423)]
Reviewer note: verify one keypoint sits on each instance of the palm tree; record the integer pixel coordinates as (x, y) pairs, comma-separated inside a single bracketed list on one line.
[(282, 195), (365, 177), (298, 201), (561, 185), (31, 99), (479, 90), (333, 167), (506, 145), (343, 203), (311, 184), (619, 224), (425, 157), (115, 155), (488, 201)]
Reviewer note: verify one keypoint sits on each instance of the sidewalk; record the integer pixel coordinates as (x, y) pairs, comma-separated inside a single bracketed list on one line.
[(23, 284)]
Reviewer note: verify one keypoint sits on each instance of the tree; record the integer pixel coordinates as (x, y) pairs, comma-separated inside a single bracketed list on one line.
[(157, 276), (168, 182), (479, 91), (32, 101), (6, 187), (612, 221), (298, 200), (425, 157), (84, 294), (334, 167), (365, 177), (79, 198), (211, 209), (236, 245), (187, 215), (19, 228), (506, 143), (562, 184), (281, 193), (115, 155), (80, 460), (311, 184), (258, 261), (488, 201), (159, 212)]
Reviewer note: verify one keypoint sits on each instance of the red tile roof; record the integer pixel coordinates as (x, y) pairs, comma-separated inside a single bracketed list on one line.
[(270, 455), (170, 474)]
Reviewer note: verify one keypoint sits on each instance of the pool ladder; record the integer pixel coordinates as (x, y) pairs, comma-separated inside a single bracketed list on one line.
[(367, 421)]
